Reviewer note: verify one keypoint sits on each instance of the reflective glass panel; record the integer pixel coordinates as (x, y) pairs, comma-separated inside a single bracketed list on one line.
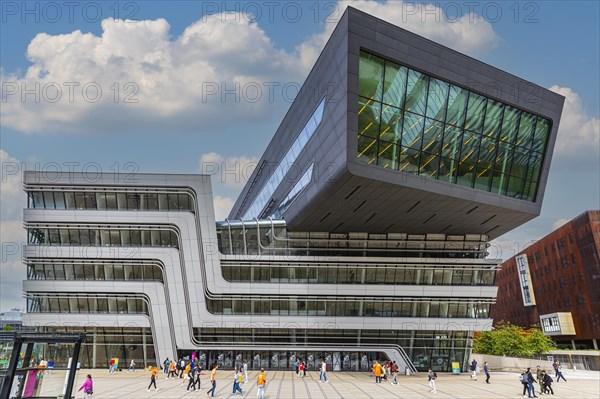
[(394, 84), (371, 76)]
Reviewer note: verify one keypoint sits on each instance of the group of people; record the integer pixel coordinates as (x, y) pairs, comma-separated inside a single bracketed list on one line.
[(190, 372), (381, 371), (542, 378)]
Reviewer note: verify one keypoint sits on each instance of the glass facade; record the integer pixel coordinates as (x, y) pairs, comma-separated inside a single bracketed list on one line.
[(323, 273), (103, 237), (54, 302), (352, 307), (294, 192), (286, 164), (104, 343), (107, 200), (418, 124), (270, 237), (436, 349), (97, 271)]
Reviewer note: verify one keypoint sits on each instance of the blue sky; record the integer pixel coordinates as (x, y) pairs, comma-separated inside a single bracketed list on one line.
[(171, 64)]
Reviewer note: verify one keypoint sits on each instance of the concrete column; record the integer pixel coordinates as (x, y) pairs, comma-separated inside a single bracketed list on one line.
[(144, 348), (595, 342), (573, 344), (94, 349)]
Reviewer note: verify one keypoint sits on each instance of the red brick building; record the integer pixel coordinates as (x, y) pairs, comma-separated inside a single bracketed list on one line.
[(555, 283)]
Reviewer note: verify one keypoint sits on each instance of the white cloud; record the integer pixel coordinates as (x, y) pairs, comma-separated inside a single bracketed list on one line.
[(232, 172), (181, 81), (222, 206), (578, 133), (12, 234)]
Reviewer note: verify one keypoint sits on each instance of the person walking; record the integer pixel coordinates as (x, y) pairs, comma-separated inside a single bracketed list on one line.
[(297, 366), (486, 370), (559, 374), (186, 372), (530, 382), (166, 366), (301, 369), (538, 374), (131, 367), (237, 378), (473, 369), (172, 370), (524, 381), (377, 372), (394, 369), (261, 383), (197, 373), (213, 381), (87, 387), (191, 377), (555, 367), (153, 374), (245, 366), (324, 372), (182, 368), (546, 383), (432, 376)]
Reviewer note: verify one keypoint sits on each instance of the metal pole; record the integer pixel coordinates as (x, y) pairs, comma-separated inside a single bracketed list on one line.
[(73, 369), (11, 370), (25, 364)]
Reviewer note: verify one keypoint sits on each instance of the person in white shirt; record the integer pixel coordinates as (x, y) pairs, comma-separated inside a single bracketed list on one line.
[(323, 376)]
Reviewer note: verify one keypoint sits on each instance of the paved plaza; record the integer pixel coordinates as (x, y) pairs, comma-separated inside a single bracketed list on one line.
[(346, 385)]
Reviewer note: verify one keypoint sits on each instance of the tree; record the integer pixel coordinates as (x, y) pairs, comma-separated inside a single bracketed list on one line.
[(7, 328), (510, 340)]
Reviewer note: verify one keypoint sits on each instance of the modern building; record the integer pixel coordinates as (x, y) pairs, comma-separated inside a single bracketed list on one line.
[(362, 233), (554, 283), (12, 318)]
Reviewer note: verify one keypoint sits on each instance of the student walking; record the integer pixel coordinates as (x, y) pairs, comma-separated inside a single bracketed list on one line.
[(473, 369), (131, 367), (301, 369), (559, 374), (394, 369), (530, 382), (213, 381), (377, 372), (297, 366), (172, 370), (237, 378), (261, 383), (153, 373), (166, 364), (546, 383), (486, 370), (323, 376), (87, 387), (524, 379), (432, 375), (191, 376), (538, 374), (246, 372), (555, 367)]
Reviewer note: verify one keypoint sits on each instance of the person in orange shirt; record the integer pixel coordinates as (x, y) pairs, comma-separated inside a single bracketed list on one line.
[(153, 373), (261, 382), (377, 371), (213, 380)]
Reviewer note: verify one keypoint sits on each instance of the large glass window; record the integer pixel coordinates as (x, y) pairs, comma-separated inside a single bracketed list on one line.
[(422, 125)]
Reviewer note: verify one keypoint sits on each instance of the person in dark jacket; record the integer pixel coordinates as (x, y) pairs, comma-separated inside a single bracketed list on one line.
[(486, 370), (530, 382), (546, 383), (524, 381)]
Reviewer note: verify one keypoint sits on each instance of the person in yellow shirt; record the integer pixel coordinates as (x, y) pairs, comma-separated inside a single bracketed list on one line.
[(261, 382), (213, 380), (153, 373), (377, 371), (186, 373)]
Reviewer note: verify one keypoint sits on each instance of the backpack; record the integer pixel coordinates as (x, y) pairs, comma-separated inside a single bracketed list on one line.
[(434, 375), (524, 378), (549, 379), (240, 377)]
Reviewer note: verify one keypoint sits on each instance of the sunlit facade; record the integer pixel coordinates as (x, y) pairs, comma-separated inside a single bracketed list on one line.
[(362, 234)]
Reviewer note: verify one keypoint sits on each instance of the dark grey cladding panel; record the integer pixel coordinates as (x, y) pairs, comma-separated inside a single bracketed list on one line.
[(346, 195), (328, 77)]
